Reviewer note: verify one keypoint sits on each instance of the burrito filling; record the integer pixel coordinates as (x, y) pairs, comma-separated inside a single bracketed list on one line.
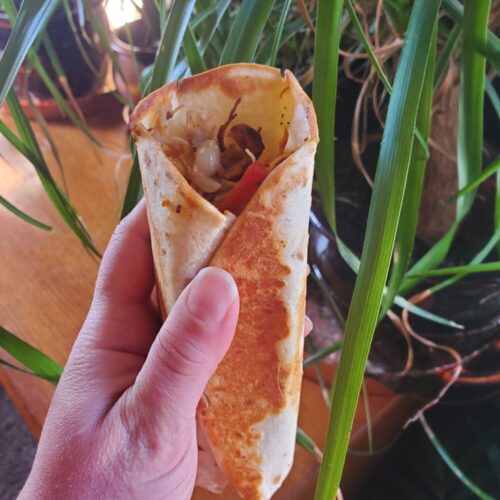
[(221, 165)]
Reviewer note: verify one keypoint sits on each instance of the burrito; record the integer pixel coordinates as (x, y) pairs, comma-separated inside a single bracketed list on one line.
[(227, 160)]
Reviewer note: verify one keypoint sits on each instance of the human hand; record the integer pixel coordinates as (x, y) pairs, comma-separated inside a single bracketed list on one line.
[(122, 421)]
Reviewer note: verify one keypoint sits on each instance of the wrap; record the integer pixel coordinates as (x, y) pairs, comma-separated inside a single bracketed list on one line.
[(195, 137)]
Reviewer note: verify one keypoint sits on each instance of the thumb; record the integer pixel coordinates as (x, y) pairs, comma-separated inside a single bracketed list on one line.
[(191, 343)]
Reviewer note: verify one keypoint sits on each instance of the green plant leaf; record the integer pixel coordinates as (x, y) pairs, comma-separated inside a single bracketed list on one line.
[(134, 187), (33, 359), (366, 45), (208, 30), (430, 260), (463, 270), (451, 463), (44, 127), (493, 96), (470, 109), (62, 104), (31, 21), (23, 215), (76, 36), (444, 56), (170, 43), (326, 60), (306, 442), (192, 52), (490, 47), (279, 32), (28, 146), (378, 68), (353, 262), (496, 221), (405, 237), (485, 174), (247, 28), (291, 29), (385, 208), (319, 355), (398, 12)]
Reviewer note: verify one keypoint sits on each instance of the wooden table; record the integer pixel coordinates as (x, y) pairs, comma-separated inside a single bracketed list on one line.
[(46, 281)]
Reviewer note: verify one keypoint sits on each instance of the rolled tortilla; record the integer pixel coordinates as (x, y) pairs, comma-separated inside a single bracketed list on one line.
[(248, 415)]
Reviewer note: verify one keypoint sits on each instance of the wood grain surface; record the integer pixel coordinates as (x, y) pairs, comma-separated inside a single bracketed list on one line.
[(47, 279)]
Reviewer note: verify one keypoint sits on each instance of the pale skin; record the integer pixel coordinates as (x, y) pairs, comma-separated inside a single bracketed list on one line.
[(122, 420)]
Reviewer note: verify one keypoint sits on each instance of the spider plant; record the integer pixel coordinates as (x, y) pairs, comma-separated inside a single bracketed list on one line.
[(399, 52)]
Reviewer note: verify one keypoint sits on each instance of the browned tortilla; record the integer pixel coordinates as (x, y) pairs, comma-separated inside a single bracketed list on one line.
[(249, 411)]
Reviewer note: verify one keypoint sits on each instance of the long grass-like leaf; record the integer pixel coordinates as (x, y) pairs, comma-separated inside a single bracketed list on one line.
[(29, 148), (163, 14), (319, 355), (445, 54), (405, 237), (485, 174), (33, 359), (76, 35), (463, 270), (207, 34), (202, 15), (23, 215), (430, 260), (264, 52), (38, 116), (171, 40), (493, 96), (472, 487), (366, 45), (31, 21), (241, 44), (56, 94), (490, 47), (385, 208), (478, 258), (306, 442), (192, 52), (279, 32), (134, 187), (353, 262), (470, 111), (326, 60), (496, 220), (16, 142), (378, 68)]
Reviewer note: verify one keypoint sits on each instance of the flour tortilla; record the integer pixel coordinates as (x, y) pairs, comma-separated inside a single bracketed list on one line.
[(248, 416)]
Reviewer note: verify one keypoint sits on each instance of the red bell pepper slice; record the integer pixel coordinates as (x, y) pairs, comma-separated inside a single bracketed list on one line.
[(236, 199)]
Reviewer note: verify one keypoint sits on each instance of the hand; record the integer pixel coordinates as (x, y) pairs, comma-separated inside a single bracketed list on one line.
[(122, 420)]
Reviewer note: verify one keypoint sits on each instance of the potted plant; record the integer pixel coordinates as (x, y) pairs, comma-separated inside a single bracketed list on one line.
[(373, 265), (70, 62)]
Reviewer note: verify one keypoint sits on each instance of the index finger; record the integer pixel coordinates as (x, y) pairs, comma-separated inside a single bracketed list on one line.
[(126, 275)]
